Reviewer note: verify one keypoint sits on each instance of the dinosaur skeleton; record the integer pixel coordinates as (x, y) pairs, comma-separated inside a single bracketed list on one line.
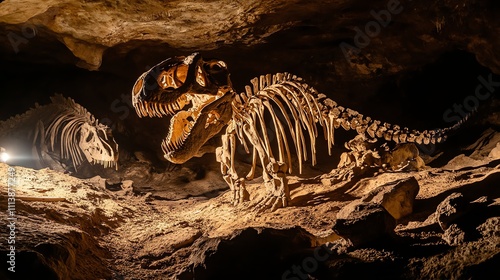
[(56, 133), (199, 96)]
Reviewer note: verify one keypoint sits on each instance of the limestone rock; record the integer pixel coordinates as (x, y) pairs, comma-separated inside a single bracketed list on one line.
[(450, 209), (396, 197), (363, 222)]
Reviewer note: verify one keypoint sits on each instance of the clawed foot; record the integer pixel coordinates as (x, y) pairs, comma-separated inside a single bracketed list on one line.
[(270, 202), (240, 193), (277, 196)]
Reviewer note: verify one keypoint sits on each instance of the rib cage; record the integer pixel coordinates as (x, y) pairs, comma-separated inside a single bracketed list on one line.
[(299, 113), (301, 108), (55, 125), (65, 127)]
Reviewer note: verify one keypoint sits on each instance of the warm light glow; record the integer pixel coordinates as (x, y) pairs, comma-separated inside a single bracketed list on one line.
[(4, 157)]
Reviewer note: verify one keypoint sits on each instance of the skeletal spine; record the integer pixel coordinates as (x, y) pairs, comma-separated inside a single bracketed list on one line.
[(292, 96), (300, 109)]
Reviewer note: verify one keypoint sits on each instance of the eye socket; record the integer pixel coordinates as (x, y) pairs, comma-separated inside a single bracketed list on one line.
[(89, 137), (218, 73), (215, 67)]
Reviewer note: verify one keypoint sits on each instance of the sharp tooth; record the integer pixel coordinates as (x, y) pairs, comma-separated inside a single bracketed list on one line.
[(180, 102), (141, 109), (151, 110), (157, 109), (148, 109)]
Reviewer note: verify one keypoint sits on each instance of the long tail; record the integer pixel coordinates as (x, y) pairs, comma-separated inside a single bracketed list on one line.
[(351, 119), (301, 107)]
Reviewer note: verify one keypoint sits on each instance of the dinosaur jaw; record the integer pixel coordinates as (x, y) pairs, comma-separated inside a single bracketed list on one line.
[(98, 145), (197, 93), (190, 130), (105, 163), (195, 119), (105, 154)]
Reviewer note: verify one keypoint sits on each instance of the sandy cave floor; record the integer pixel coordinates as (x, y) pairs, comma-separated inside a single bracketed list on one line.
[(150, 238)]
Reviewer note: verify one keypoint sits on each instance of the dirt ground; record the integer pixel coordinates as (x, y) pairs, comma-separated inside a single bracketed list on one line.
[(149, 225)]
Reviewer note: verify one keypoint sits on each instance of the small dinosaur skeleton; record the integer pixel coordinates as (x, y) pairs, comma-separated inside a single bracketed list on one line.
[(61, 135), (199, 96)]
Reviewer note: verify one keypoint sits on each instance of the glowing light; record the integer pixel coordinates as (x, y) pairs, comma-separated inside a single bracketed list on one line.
[(4, 157)]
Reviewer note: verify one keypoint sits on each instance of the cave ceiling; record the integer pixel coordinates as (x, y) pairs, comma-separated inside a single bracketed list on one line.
[(91, 29)]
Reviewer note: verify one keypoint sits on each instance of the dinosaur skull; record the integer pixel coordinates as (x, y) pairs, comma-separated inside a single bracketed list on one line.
[(98, 145), (197, 94)]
